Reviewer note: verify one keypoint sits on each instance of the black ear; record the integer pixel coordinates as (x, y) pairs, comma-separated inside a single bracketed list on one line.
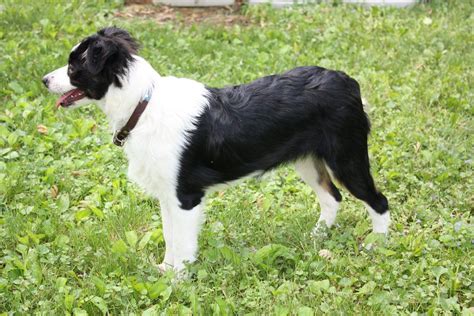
[(121, 36), (98, 53)]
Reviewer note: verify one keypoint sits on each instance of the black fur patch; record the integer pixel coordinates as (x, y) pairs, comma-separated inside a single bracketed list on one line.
[(100, 60), (307, 111)]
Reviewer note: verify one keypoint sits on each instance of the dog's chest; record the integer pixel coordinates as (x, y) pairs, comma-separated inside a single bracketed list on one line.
[(155, 146), (152, 164)]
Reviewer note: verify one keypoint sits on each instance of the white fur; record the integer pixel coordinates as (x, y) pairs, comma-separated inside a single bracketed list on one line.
[(154, 145), (329, 206), (380, 222), (59, 81)]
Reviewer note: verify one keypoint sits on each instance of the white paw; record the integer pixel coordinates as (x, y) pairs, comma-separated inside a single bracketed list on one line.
[(181, 275), (321, 229), (180, 272), (380, 223), (163, 267)]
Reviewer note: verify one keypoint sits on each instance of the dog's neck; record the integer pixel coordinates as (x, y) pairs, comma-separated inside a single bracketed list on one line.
[(120, 102)]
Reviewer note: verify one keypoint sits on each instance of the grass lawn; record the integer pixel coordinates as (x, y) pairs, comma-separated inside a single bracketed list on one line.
[(76, 237)]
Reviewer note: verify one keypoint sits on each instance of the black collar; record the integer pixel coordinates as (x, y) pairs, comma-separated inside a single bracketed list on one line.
[(120, 136)]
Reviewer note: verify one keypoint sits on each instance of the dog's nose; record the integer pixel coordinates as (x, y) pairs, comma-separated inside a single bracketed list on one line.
[(45, 80)]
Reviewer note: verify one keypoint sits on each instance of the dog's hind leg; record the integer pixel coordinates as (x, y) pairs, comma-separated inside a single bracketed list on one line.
[(352, 169), (313, 171)]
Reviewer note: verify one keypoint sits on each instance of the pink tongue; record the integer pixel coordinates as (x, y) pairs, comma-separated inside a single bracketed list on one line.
[(63, 100)]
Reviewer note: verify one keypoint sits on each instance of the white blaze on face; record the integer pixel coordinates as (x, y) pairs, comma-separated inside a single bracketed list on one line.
[(58, 81), (76, 46)]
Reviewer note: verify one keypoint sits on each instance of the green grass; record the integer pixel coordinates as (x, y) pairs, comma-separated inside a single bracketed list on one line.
[(77, 237)]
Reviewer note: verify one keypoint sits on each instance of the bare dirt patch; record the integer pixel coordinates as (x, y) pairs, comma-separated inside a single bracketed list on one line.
[(163, 14)]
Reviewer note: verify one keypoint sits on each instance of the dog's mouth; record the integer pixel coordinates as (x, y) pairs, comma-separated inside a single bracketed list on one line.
[(68, 98)]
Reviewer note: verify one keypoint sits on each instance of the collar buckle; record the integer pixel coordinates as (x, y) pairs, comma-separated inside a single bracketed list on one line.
[(120, 136)]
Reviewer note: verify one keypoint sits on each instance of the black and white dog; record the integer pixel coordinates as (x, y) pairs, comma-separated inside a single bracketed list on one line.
[(191, 138)]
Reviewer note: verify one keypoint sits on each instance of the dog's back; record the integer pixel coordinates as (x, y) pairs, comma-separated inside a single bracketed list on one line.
[(277, 119)]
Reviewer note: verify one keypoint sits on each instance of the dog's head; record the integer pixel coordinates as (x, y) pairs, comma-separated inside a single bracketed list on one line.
[(96, 63)]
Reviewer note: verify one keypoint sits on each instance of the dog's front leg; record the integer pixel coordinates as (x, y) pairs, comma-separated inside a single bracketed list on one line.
[(186, 226), (167, 224)]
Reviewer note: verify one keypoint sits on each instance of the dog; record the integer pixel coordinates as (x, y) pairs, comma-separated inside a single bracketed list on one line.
[(182, 138)]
